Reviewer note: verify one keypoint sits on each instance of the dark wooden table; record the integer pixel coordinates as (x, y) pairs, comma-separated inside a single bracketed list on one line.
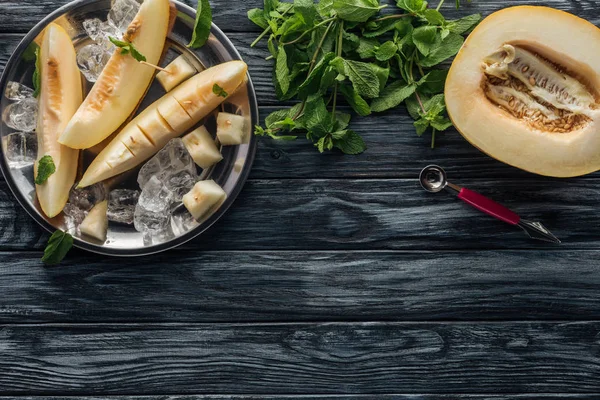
[(332, 277)]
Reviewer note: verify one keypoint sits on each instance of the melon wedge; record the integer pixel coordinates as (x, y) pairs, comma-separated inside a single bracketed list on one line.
[(123, 81), (61, 93), (525, 89), (95, 223), (168, 117)]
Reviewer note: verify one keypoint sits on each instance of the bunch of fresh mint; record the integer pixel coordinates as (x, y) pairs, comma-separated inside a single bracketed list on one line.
[(374, 61)]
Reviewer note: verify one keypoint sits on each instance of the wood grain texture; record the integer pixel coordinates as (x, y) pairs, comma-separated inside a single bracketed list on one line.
[(332, 358), (189, 286), (22, 15), (556, 396), (388, 214)]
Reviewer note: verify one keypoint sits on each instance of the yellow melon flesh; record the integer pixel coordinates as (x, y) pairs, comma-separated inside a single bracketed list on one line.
[(168, 117), (61, 93), (123, 81), (525, 90)]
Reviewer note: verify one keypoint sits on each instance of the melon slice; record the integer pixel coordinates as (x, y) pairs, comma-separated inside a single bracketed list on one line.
[(95, 223), (123, 81), (525, 89), (61, 93), (168, 117)]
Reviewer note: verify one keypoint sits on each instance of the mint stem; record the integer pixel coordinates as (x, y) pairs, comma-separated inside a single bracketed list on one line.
[(262, 35)]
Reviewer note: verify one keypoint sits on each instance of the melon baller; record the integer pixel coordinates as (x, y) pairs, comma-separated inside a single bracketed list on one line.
[(433, 179)]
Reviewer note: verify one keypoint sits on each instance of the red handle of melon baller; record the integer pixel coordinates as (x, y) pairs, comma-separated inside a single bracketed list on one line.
[(489, 206)]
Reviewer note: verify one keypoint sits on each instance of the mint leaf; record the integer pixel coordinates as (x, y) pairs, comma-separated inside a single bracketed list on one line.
[(448, 48), (57, 248), (441, 123), (37, 73), (127, 48), (434, 17), (379, 28), (424, 37), (325, 8), (367, 47), (45, 168), (282, 72), (350, 143), (465, 24), (413, 6), (119, 43), (392, 96), (386, 51), (219, 91), (358, 104), (312, 84), (433, 82), (363, 76), (306, 10), (356, 10), (421, 125), (257, 16), (202, 25), (136, 54)]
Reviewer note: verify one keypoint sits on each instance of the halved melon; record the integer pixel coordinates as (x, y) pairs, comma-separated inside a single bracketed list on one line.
[(61, 93), (525, 89), (123, 81)]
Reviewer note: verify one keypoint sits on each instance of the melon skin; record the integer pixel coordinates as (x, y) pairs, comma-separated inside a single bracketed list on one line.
[(123, 82), (61, 93), (554, 35)]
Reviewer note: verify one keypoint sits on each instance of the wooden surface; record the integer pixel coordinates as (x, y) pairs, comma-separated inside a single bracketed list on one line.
[(332, 277)]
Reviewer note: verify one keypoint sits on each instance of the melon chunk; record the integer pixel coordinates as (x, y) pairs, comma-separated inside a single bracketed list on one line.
[(202, 147), (203, 197), (123, 81), (61, 94), (95, 223), (525, 89), (230, 129), (176, 72)]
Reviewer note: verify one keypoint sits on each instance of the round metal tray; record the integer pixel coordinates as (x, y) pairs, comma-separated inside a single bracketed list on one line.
[(231, 173)]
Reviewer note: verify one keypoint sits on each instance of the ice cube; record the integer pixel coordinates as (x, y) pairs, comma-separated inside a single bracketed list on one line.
[(17, 91), (182, 222), (152, 210), (21, 115), (87, 197), (122, 13), (100, 32), (121, 205), (20, 148), (170, 160), (94, 29), (74, 216), (91, 60), (179, 183)]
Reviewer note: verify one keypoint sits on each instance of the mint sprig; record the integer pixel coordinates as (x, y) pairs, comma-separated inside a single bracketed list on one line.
[(128, 48), (335, 51)]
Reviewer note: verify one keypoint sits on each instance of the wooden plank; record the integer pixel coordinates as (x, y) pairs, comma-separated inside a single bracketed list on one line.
[(22, 15), (191, 286), (557, 396), (331, 358), (392, 214)]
